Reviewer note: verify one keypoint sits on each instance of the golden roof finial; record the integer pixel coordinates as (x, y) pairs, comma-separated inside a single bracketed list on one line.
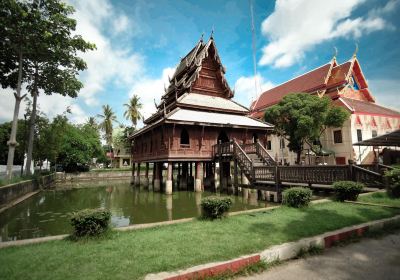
[(212, 32), (355, 51), (335, 52)]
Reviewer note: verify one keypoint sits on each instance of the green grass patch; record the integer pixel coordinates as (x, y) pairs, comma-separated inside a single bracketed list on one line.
[(136, 253), (380, 198)]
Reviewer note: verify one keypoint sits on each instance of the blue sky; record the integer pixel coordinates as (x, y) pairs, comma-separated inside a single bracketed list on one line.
[(140, 42)]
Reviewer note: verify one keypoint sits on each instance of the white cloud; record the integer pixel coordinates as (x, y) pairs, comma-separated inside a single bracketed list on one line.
[(149, 89), (245, 88), (121, 23), (108, 63), (296, 26)]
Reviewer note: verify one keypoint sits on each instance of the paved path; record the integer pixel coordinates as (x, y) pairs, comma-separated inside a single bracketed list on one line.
[(368, 259)]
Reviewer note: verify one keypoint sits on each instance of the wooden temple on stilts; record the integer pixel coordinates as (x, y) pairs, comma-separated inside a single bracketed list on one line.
[(198, 132)]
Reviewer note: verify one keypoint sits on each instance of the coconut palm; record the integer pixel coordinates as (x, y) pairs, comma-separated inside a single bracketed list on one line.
[(106, 125), (132, 112), (91, 121)]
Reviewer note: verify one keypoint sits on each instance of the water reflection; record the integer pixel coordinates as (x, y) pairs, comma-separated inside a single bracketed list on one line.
[(47, 213)]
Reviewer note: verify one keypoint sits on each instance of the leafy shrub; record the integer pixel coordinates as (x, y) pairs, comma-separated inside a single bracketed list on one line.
[(347, 190), (393, 186), (296, 197), (214, 207), (90, 222)]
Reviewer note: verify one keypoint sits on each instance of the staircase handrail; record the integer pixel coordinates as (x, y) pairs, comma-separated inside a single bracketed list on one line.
[(263, 153), (385, 166), (236, 148), (367, 171)]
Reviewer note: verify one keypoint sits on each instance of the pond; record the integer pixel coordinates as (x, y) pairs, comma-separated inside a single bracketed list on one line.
[(47, 213)]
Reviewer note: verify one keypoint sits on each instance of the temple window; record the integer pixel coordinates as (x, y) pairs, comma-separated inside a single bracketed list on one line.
[(185, 142), (269, 146), (282, 143), (359, 135), (337, 137), (255, 138), (374, 133)]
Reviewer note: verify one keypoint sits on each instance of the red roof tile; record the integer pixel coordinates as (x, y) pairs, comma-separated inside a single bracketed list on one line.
[(369, 107), (307, 82)]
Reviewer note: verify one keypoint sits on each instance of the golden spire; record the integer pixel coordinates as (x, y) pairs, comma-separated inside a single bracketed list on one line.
[(355, 51)]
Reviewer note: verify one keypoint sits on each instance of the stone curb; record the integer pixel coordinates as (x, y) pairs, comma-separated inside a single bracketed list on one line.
[(31, 241), (281, 252)]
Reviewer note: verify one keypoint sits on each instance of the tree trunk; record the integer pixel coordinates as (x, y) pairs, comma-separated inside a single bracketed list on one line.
[(12, 143), (298, 157), (31, 128)]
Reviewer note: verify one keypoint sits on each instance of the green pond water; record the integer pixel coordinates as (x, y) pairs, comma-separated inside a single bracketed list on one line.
[(47, 213)]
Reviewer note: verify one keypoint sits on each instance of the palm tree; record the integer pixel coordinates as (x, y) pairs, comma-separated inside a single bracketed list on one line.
[(106, 125), (132, 112), (91, 121)]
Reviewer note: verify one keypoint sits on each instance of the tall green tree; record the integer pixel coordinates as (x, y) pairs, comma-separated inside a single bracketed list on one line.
[(133, 110), (16, 28), (91, 121), (46, 54), (54, 64), (106, 125), (302, 118)]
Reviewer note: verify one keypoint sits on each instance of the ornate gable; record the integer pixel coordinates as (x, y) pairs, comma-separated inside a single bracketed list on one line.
[(200, 71)]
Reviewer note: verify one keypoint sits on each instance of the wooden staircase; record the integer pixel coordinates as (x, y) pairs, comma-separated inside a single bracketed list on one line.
[(253, 159), (263, 173)]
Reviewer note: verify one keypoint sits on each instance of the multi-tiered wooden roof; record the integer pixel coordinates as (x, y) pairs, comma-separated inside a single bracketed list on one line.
[(198, 93)]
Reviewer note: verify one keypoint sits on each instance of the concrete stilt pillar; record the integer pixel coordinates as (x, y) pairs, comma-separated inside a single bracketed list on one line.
[(245, 181), (197, 198), (168, 204), (133, 173), (168, 183), (156, 172), (146, 176), (197, 183), (184, 176), (137, 178), (216, 176), (245, 193), (253, 197)]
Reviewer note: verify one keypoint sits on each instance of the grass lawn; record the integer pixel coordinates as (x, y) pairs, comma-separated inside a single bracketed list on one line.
[(134, 254), (379, 198)]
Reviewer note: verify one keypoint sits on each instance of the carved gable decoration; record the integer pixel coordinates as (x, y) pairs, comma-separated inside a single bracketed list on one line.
[(358, 121), (373, 122)]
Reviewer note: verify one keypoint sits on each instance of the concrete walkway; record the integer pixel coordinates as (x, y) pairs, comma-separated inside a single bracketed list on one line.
[(368, 259)]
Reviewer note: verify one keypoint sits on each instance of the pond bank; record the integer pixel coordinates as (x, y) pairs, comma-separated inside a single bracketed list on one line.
[(13, 194), (93, 175)]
